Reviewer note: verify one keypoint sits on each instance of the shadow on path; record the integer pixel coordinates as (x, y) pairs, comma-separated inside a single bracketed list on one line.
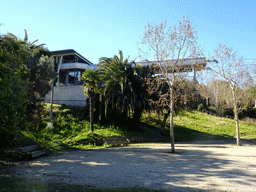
[(194, 167)]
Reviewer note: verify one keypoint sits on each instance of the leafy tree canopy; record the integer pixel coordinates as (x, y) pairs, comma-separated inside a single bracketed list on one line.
[(25, 77)]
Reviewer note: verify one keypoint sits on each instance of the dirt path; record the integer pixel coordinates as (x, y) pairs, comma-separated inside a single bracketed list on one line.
[(195, 167)]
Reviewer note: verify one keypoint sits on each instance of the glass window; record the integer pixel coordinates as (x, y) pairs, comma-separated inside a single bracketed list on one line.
[(73, 78)]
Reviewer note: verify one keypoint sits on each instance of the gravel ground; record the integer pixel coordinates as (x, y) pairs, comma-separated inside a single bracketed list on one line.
[(194, 167)]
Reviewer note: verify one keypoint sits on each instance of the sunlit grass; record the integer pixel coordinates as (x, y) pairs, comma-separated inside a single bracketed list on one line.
[(195, 125), (72, 129)]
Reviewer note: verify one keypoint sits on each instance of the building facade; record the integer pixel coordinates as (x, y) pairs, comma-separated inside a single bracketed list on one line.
[(68, 89)]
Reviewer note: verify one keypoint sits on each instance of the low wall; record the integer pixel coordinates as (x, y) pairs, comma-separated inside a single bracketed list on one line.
[(68, 95)]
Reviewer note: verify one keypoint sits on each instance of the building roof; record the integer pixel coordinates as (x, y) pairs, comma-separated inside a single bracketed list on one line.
[(69, 55)]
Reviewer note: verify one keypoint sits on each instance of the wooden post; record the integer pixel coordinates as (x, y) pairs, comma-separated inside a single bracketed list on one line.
[(51, 102), (50, 124)]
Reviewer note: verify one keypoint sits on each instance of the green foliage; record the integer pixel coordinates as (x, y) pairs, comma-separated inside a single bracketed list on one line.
[(25, 76), (124, 90), (91, 81), (144, 71), (71, 130), (40, 76), (12, 88), (201, 106), (91, 86), (252, 91)]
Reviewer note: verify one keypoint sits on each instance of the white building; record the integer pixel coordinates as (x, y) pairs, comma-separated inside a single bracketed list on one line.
[(68, 89)]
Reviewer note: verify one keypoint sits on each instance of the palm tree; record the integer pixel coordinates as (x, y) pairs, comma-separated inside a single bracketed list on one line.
[(122, 90), (115, 92), (25, 40), (91, 82)]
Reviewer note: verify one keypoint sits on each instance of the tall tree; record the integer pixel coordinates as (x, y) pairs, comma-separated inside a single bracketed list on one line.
[(124, 91), (91, 83), (169, 46), (13, 88), (231, 68), (39, 63)]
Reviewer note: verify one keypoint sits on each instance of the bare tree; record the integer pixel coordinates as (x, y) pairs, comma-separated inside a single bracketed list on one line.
[(169, 47), (252, 89), (231, 69), (204, 86), (214, 91), (205, 92)]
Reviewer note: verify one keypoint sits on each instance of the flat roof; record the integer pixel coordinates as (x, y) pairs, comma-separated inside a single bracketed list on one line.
[(70, 51), (187, 64)]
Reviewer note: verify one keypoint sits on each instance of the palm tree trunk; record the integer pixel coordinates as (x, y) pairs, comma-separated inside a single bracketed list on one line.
[(102, 116), (91, 108), (137, 115)]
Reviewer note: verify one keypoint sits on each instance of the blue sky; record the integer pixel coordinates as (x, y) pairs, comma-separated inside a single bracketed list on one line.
[(98, 28)]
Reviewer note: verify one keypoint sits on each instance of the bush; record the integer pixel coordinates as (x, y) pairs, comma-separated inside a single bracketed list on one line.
[(13, 89), (201, 106), (25, 78)]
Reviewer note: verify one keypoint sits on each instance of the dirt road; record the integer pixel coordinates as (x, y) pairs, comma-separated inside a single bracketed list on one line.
[(195, 167)]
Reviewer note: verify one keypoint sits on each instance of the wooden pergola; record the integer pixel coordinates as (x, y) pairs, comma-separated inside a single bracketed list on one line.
[(178, 65)]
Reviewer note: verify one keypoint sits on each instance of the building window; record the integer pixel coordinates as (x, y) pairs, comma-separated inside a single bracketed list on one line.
[(73, 78), (67, 78)]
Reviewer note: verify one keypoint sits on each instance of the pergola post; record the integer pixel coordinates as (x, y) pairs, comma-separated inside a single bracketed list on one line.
[(66, 78), (58, 81), (194, 74)]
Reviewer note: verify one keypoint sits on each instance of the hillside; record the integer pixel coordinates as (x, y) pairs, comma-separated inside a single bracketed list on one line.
[(72, 130)]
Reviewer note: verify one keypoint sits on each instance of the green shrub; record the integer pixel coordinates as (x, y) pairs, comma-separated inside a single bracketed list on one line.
[(200, 107)]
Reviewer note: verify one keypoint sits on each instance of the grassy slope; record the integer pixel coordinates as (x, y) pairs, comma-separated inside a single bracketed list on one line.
[(215, 125), (194, 125), (72, 129)]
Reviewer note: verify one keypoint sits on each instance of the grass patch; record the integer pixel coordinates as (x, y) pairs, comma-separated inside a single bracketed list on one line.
[(195, 125), (71, 130), (218, 126)]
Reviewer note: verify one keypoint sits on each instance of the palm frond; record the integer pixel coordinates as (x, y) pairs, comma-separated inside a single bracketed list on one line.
[(26, 36), (12, 35), (34, 42)]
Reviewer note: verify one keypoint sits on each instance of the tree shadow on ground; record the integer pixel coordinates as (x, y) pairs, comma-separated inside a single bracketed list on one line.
[(181, 134), (186, 134), (193, 168)]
